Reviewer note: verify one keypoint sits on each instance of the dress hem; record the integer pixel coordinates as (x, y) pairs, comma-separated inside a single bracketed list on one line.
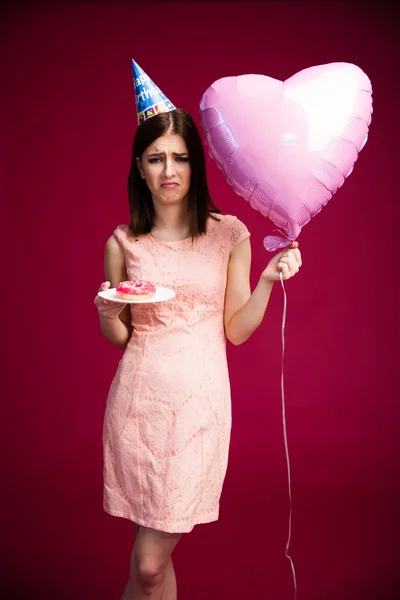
[(182, 528)]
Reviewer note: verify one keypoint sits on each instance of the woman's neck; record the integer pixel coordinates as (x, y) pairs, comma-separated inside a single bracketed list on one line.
[(171, 221)]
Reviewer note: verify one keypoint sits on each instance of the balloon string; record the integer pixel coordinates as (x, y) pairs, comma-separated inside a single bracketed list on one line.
[(285, 438)]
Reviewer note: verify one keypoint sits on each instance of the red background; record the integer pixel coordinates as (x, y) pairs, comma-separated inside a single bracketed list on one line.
[(68, 120)]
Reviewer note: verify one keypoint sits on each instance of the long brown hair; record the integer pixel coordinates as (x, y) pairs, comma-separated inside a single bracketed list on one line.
[(200, 205)]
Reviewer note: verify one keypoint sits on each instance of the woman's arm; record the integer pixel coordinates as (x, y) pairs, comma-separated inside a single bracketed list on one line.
[(244, 310), (115, 325)]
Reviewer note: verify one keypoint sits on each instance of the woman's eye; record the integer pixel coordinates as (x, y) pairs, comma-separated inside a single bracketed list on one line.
[(177, 158)]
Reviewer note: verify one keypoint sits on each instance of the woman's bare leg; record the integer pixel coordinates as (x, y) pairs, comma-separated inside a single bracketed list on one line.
[(170, 588), (152, 573)]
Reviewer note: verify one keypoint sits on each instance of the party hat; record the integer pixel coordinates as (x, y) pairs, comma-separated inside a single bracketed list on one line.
[(149, 98)]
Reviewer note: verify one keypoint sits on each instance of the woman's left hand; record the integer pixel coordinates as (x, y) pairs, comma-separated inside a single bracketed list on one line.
[(287, 262)]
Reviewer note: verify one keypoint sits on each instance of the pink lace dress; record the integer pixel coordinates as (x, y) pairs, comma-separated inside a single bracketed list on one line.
[(168, 416)]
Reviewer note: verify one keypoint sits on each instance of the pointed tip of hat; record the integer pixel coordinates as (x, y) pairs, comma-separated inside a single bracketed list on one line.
[(150, 100)]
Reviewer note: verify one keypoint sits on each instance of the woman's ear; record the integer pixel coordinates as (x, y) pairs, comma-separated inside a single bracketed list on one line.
[(139, 167)]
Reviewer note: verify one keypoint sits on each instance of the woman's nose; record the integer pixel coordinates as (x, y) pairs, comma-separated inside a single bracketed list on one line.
[(169, 167)]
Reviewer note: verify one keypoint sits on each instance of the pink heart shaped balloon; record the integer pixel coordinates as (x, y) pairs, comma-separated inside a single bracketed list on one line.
[(287, 147)]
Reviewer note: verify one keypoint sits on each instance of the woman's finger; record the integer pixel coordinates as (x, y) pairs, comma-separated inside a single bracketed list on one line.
[(288, 258), (297, 255), (286, 271), (284, 267), (295, 261), (104, 286)]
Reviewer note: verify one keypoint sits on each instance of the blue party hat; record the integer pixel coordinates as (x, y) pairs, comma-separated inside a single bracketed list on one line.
[(150, 101)]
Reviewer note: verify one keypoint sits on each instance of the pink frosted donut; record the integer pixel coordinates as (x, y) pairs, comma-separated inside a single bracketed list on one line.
[(135, 290)]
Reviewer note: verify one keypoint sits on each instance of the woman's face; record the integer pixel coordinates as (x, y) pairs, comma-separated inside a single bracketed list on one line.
[(165, 166)]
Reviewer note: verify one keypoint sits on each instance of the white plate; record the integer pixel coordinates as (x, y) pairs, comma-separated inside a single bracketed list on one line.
[(162, 294)]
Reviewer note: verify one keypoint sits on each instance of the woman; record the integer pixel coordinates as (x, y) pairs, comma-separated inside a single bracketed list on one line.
[(168, 416)]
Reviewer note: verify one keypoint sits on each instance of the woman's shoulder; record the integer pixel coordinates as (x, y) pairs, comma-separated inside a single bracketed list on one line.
[(225, 221), (123, 233), (221, 219), (229, 229), (123, 228)]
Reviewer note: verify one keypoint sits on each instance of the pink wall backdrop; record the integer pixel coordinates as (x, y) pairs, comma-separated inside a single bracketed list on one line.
[(68, 117)]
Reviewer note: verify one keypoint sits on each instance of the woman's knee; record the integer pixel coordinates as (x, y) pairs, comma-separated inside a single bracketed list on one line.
[(149, 571), (150, 557)]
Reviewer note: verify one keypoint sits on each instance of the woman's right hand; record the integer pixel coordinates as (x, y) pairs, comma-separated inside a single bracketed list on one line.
[(108, 309)]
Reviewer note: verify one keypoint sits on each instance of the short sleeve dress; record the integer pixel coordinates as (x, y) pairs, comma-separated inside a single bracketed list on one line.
[(167, 421)]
